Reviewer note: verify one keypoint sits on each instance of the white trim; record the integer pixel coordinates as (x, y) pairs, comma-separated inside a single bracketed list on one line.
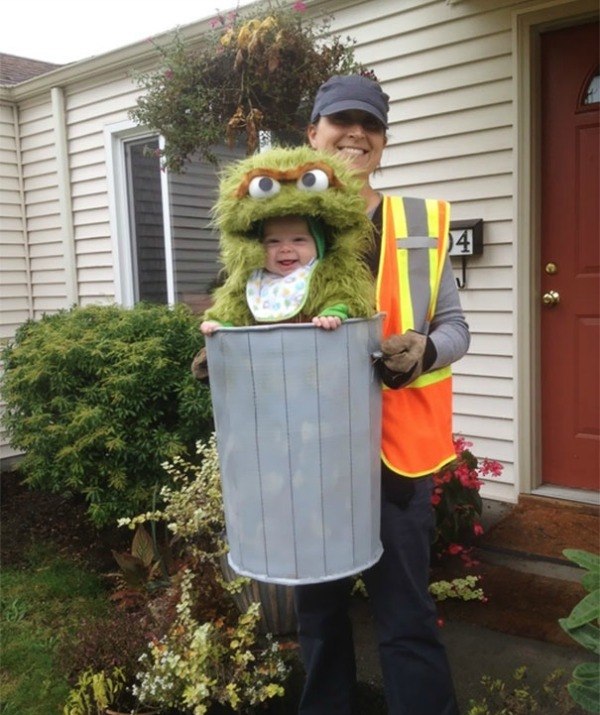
[(115, 136), (23, 209), (167, 229), (583, 496), (59, 125)]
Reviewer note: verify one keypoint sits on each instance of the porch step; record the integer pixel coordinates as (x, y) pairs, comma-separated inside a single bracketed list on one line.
[(525, 562)]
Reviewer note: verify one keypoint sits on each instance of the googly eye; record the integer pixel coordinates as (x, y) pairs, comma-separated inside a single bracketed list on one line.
[(313, 180), (261, 187)]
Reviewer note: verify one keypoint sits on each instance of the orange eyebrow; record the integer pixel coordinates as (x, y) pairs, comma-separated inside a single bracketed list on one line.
[(286, 175)]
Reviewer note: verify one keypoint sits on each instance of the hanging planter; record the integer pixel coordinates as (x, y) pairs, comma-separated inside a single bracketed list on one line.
[(255, 72)]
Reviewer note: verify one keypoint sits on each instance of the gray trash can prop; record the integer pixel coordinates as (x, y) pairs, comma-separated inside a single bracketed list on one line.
[(297, 413)]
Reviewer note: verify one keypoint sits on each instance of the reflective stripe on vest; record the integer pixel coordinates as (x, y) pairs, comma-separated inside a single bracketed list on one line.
[(417, 419)]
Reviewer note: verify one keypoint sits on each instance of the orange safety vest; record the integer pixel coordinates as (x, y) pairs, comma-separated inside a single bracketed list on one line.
[(417, 419)]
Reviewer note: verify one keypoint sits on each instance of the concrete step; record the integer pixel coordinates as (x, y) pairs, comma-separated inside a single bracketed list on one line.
[(531, 563)]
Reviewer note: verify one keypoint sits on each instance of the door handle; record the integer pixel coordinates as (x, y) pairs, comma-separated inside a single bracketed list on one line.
[(551, 298)]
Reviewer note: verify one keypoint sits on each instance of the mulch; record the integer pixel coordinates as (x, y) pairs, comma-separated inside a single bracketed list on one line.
[(32, 516), (544, 527), (518, 603)]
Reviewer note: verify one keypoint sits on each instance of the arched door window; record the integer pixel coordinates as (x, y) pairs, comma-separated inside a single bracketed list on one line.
[(591, 91)]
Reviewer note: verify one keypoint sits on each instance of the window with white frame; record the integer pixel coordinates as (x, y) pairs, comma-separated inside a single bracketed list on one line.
[(164, 246)]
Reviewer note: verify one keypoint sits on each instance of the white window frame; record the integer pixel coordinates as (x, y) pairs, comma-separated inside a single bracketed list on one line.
[(115, 137)]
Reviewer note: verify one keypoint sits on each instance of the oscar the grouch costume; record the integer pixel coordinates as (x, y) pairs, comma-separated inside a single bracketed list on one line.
[(299, 182), (293, 182)]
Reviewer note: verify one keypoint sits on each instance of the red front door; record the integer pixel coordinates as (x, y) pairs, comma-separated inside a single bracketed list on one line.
[(570, 257)]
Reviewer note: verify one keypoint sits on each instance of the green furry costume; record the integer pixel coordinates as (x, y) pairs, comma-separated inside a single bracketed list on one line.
[(340, 276)]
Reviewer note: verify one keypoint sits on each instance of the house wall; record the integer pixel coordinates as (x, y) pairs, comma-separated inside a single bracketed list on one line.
[(15, 283)]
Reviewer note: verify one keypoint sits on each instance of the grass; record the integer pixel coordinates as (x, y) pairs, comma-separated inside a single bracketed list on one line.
[(41, 604)]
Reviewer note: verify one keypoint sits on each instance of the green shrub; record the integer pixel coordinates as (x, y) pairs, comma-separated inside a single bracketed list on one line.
[(99, 397)]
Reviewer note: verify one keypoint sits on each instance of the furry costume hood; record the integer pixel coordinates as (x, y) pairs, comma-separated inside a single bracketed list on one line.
[(301, 182)]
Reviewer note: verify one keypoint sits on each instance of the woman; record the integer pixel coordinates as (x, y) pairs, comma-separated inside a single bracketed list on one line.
[(424, 332)]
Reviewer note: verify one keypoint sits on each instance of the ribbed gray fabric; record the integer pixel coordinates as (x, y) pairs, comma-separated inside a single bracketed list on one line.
[(298, 421)]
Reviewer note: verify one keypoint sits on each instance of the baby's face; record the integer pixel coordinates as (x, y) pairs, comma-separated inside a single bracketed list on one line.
[(288, 244)]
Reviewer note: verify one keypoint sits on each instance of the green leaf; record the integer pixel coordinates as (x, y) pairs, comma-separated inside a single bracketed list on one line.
[(587, 635), (586, 611), (585, 559), (587, 698), (588, 672), (591, 580)]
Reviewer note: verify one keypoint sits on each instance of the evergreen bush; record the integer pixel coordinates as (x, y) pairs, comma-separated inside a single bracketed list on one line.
[(99, 397)]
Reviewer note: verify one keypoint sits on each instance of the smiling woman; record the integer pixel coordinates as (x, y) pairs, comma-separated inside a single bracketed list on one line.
[(353, 129)]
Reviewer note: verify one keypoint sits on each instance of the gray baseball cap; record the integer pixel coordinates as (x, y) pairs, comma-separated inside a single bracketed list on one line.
[(343, 92)]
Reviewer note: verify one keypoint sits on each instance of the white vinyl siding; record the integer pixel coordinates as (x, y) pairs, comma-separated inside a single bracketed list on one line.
[(15, 284), (42, 206), (448, 70)]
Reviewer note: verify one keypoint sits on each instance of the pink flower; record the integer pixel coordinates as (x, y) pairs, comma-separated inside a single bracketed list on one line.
[(168, 74), (461, 444), (491, 467), (477, 529), (299, 6), (435, 499)]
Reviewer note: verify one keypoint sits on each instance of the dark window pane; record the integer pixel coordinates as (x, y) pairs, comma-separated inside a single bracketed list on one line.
[(592, 93), (146, 221)]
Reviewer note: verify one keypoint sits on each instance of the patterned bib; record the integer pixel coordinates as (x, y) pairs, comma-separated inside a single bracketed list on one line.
[(272, 298)]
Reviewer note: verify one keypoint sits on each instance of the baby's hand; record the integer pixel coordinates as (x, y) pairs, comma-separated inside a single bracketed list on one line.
[(327, 322), (208, 327)]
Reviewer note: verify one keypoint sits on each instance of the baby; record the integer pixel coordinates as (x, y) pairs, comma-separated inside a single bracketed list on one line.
[(276, 293)]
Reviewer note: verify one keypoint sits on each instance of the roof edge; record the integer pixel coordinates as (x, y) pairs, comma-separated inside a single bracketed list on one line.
[(127, 56)]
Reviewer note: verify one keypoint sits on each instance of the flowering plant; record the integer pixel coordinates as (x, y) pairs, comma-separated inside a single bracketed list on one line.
[(210, 653), (255, 71), (457, 501), (197, 664)]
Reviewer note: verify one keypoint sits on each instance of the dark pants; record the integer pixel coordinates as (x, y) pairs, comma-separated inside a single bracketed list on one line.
[(415, 668)]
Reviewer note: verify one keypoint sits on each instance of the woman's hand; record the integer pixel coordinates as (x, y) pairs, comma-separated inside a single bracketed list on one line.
[(327, 322), (208, 327)]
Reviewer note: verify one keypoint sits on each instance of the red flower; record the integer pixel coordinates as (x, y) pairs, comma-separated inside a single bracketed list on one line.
[(477, 529)]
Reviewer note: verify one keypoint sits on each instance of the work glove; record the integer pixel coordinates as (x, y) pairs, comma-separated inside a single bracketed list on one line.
[(200, 366), (404, 357)]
